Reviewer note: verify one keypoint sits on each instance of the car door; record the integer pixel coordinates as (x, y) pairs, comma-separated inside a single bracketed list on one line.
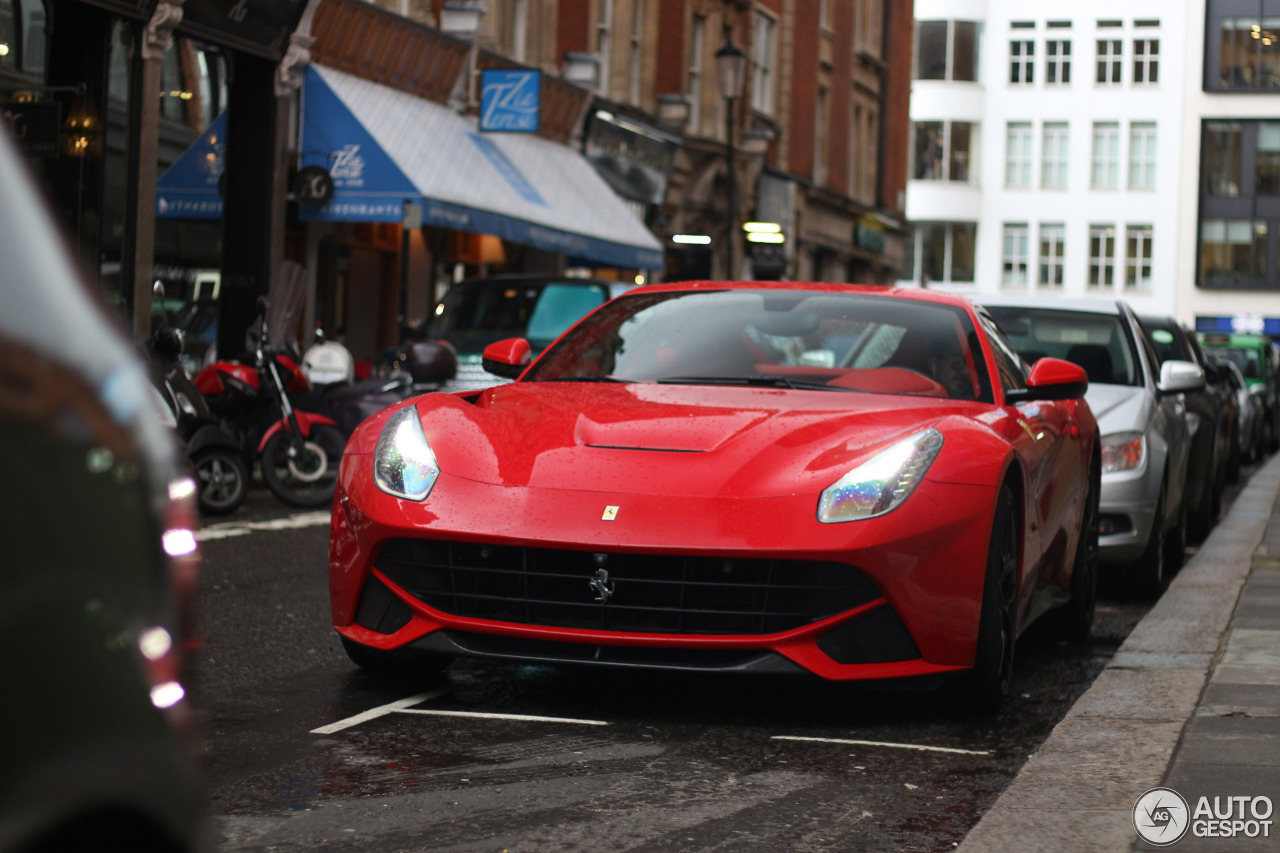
[(1169, 421)]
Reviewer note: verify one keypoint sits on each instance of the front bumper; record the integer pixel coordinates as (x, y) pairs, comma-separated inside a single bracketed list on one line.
[(925, 563), (1127, 502)]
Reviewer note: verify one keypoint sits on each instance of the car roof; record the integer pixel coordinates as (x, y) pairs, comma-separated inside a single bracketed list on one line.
[(1055, 303), (916, 294)]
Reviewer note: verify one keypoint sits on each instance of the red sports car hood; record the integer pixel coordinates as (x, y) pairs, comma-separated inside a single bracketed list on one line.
[(668, 439)]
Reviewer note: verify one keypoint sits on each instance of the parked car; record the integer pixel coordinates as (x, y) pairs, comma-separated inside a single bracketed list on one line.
[(1259, 361), (1212, 415), (476, 312), (1141, 412), (1251, 412), (97, 566), (753, 477)]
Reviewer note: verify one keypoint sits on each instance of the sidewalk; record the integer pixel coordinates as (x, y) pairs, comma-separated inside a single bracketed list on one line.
[(1191, 701)]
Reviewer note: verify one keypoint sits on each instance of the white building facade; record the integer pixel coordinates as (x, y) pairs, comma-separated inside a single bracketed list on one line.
[(1048, 149)]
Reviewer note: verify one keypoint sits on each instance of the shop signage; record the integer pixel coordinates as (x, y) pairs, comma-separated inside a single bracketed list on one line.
[(868, 234), (510, 100), (261, 27), (1255, 324), (313, 186), (632, 157), (35, 125)]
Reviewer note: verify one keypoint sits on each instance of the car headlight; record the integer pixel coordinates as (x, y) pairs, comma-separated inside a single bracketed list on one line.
[(1122, 451), (403, 464), (883, 482)]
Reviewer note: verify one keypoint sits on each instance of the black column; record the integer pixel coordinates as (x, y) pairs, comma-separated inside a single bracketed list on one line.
[(248, 204)]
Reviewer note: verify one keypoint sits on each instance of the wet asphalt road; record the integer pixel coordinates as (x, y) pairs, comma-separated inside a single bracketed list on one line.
[(631, 761)]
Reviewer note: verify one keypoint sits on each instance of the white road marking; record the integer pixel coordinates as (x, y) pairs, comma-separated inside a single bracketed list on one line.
[(486, 716), (383, 710), (885, 744), (229, 529)]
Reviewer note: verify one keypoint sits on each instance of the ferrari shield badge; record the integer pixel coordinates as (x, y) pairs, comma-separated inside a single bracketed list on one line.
[(610, 513)]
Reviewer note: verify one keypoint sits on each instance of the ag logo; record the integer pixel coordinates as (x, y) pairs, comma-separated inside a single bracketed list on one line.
[(1161, 816)]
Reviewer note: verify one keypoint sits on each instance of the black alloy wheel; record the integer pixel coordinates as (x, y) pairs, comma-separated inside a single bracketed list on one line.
[(1148, 578), (303, 473), (985, 687), (222, 480), (1077, 615)]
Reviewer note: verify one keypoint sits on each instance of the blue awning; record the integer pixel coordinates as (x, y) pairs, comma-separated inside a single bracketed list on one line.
[(188, 189), (384, 147)]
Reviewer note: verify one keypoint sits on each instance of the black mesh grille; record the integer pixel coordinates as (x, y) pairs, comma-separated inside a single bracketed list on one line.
[(645, 592)]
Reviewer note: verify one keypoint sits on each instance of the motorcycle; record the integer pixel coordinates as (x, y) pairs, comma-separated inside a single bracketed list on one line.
[(296, 450), (222, 478)]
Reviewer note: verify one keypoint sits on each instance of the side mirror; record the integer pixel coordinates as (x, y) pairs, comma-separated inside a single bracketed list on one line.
[(1176, 376), (1051, 379), (508, 358)]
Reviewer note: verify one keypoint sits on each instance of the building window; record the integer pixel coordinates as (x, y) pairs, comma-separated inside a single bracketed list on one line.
[(1232, 252), (933, 252), (637, 50), (604, 30), (1250, 53), (1267, 159), (762, 53), (1057, 61), (946, 253), (697, 46), (943, 150), (963, 244), (1053, 242), (1137, 257), (1015, 250), (1022, 62), (1222, 143), (1109, 61), (820, 135), (1142, 155), (1102, 256), (1146, 61), (1017, 155), (1053, 154), (947, 50), (518, 29), (1106, 156)]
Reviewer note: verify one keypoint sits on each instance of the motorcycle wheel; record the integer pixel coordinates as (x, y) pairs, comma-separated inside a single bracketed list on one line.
[(303, 476), (222, 480)]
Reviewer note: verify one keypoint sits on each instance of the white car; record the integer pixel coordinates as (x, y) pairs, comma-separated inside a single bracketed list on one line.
[(1141, 414)]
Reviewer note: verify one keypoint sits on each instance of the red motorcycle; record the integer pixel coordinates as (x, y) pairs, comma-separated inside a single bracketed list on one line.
[(297, 451)]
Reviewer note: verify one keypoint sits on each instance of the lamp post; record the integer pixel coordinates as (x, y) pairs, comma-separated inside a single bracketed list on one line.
[(731, 68)]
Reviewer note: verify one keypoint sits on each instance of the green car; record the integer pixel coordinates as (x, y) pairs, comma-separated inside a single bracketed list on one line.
[(1259, 360)]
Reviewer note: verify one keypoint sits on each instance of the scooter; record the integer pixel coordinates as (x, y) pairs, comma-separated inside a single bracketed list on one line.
[(297, 451), (222, 478)]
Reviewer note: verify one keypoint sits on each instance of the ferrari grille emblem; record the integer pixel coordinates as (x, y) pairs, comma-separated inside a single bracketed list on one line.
[(601, 587), (610, 513)]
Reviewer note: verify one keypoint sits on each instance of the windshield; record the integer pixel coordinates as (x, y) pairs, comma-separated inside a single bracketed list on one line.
[(474, 314), (1099, 343), (777, 338), (1248, 360)]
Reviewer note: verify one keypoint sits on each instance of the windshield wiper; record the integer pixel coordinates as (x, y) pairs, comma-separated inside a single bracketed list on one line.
[(756, 381)]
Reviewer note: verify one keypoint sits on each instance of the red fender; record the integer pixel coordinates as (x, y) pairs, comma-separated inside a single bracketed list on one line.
[(305, 421)]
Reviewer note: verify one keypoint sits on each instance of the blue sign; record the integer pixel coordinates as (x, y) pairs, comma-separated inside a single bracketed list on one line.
[(1240, 324), (510, 100), (188, 189), (368, 186)]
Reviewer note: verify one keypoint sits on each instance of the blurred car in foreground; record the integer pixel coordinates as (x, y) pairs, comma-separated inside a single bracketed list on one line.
[(476, 312), (1212, 420), (1140, 411), (782, 478), (97, 567)]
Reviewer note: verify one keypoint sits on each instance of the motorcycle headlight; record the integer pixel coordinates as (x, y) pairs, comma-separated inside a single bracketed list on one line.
[(883, 482), (1122, 451), (403, 464)]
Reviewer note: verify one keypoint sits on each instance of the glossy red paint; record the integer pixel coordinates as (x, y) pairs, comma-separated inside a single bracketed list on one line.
[(734, 473), (306, 420)]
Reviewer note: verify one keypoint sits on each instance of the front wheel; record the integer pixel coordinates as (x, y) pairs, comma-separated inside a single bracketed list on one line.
[(222, 480), (1077, 615), (986, 685), (1148, 578), (303, 473)]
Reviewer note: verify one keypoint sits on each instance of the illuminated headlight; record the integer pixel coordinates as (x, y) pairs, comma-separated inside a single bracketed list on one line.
[(1121, 451), (883, 482), (403, 464)]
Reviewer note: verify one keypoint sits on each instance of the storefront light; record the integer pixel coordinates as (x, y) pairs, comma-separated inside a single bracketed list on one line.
[(691, 239)]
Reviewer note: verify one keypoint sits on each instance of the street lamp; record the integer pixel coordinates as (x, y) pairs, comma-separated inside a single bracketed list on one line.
[(731, 68)]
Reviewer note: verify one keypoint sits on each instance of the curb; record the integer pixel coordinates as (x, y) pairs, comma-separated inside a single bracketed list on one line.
[(1077, 791)]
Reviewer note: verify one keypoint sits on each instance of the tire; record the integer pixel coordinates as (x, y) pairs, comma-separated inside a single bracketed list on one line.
[(1148, 578), (222, 480), (984, 688), (376, 660), (1076, 616), (1175, 545), (308, 478)]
